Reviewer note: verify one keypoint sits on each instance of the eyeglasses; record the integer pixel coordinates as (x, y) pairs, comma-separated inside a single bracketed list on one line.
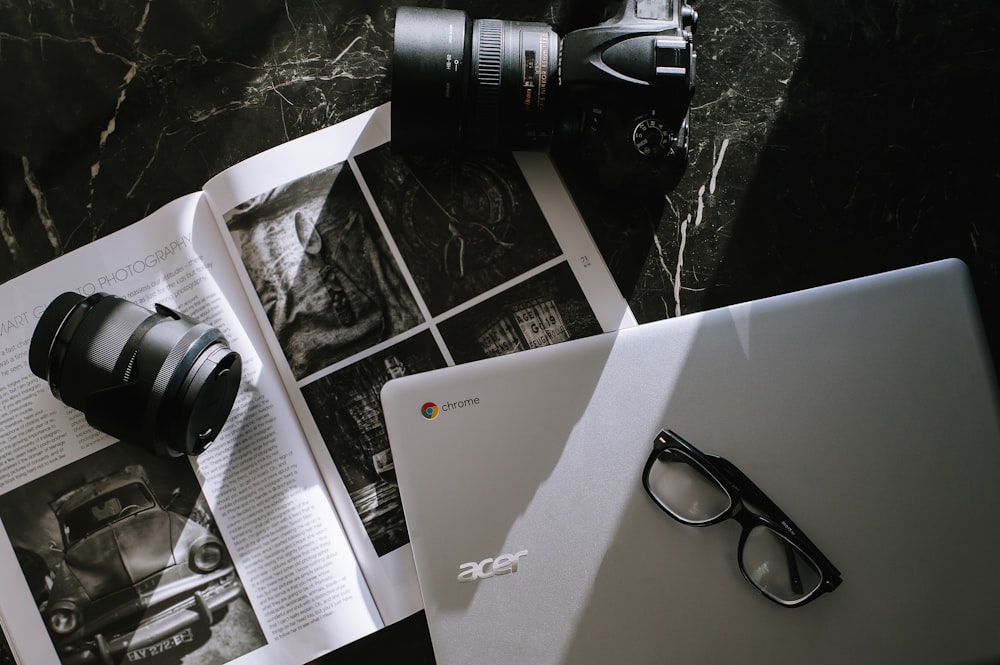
[(699, 489)]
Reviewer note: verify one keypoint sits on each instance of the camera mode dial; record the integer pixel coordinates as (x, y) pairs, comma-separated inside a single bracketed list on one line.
[(651, 137)]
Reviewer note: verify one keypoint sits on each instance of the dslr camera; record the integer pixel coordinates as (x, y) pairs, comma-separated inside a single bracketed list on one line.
[(613, 96)]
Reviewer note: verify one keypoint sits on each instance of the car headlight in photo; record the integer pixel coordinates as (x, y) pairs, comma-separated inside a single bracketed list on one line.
[(206, 555), (64, 618)]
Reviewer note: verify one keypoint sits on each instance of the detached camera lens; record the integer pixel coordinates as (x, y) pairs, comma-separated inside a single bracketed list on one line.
[(484, 84), (153, 378)]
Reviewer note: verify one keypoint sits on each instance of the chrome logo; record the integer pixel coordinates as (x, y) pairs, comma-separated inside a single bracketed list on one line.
[(429, 410)]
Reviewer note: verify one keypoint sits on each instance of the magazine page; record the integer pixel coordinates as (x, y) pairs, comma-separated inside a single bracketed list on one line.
[(236, 555), (363, 265), (7, 656)]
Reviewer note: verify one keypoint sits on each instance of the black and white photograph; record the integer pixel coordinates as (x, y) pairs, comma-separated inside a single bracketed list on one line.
[(348, 412), (545, 309), (461, 227), (322, 270), (125, 563)]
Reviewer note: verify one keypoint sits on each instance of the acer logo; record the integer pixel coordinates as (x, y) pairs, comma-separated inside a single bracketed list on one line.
[(504, 564)]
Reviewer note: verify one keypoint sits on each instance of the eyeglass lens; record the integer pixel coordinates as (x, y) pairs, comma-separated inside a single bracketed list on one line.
[(685, 489), (689, 492), (777, 567)]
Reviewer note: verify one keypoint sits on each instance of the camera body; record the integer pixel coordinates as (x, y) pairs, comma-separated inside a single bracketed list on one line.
[(625, 90), (614, 95)]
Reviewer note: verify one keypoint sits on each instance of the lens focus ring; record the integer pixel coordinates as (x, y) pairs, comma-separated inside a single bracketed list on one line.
[(488, 61)]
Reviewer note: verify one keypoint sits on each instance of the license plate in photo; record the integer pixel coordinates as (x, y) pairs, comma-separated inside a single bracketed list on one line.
[(172, 642)]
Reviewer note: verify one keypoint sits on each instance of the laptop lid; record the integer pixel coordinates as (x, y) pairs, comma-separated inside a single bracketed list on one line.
[(866, 410)]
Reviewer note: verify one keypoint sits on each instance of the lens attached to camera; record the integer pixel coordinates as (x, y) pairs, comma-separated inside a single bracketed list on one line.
[(459, 84), (153, 378), (611, 100)]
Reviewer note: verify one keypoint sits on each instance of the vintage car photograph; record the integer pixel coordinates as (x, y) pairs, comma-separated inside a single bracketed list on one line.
[(134, 568)]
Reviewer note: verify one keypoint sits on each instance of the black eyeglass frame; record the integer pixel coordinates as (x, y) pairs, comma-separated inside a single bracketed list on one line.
[(766, 513)]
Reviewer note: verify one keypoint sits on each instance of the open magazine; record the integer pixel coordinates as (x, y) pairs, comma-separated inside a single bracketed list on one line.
[(332, 265)]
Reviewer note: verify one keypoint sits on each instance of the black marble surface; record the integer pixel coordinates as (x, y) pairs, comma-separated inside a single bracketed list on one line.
[(831, 138)]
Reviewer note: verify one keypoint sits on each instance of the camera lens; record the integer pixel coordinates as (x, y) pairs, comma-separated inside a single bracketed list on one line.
[(484, 84), (153, 378)]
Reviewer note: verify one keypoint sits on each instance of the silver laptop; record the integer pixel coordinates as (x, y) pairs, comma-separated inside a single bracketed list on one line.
[(546, 530)]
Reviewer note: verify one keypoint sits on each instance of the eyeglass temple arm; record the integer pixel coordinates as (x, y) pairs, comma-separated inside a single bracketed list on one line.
[(757, 497)]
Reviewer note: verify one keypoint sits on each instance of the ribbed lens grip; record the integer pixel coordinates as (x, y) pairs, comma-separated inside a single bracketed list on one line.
[(488, 45)]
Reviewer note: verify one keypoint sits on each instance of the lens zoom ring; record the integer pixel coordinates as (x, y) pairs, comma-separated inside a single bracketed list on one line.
[(489, 60), (112, 322)]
